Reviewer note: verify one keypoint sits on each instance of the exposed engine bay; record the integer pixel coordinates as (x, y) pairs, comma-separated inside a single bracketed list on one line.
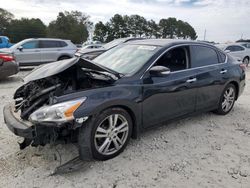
[(37, 93)]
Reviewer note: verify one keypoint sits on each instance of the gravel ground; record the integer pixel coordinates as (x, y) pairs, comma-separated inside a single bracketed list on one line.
[(202, 151)]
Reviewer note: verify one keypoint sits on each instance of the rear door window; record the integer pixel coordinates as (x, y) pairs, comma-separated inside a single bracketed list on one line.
[(50, 44), (238, 48), (234, 48), (203, 56)]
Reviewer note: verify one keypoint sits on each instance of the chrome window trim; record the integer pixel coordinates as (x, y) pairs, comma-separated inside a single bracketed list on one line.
[(182, 45)]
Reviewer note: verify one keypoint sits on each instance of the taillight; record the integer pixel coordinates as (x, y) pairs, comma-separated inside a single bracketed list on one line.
[(243, 66), (6, 57)]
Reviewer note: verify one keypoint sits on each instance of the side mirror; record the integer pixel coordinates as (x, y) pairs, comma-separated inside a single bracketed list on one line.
[(159, 71), (20, 48), (227, 51)]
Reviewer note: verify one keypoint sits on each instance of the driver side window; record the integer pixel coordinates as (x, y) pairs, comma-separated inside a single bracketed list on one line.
[(175, 59), (30, 45)]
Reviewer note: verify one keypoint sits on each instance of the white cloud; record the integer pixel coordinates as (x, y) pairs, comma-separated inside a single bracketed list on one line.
[(223, 19)]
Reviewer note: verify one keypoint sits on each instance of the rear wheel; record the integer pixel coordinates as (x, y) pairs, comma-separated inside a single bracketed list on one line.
[(106, 135), (63, 57), (227, 100), (246, 61)]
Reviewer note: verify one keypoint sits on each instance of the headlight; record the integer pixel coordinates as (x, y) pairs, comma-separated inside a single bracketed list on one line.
[(59, 113)]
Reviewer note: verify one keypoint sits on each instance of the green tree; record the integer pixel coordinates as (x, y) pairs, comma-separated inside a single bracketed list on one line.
[(152, 29), (70, 25), (137, 25), (25, 28), (5, 19), (100, 32), (173, 28)]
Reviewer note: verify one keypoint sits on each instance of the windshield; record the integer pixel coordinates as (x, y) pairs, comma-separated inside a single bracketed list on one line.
[(126, 59), (16, 45)]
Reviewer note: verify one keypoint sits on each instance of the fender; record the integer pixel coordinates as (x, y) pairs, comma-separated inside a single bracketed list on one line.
[(102, 98)]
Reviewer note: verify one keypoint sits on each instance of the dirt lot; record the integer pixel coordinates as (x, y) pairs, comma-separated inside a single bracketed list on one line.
[(202, 151)]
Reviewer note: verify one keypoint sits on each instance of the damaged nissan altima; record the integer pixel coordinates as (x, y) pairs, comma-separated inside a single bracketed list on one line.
[(101, 104)]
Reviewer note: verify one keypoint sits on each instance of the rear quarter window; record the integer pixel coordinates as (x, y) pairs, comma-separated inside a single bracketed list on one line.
[(203, 56), (63, 44), (222, 57)]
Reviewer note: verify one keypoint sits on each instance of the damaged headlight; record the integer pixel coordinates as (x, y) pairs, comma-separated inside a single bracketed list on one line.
[(59, 113)]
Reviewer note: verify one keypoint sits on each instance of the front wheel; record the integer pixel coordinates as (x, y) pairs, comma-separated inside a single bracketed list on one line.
[(227, 100), (106, 135)]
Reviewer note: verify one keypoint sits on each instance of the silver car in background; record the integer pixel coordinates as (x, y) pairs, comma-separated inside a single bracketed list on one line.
[(38, 51), (237, 50)]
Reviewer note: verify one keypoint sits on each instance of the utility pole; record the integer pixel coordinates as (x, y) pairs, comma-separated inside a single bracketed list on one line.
[(205, 34)]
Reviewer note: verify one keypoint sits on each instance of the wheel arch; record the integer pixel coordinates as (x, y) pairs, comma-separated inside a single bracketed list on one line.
[(64, 55), (246, 57), (236, 84)]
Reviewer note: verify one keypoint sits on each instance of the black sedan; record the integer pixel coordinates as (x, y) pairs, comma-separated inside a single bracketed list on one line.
[(8, 65), (101, 104)]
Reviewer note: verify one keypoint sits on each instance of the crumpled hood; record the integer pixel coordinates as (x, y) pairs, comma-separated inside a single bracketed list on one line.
[(87, 51), (59, 66)]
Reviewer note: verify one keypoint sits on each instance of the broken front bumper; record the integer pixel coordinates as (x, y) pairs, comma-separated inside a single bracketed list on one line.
[(16, 125)]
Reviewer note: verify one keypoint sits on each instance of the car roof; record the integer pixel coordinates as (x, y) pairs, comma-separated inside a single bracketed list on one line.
[(165, 42), (47, 39)]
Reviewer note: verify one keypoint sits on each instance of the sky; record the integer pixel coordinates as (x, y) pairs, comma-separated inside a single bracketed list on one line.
[(223, 20)]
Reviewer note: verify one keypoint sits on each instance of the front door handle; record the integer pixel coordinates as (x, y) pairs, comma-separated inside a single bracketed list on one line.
[(223, 71), (191, 80)]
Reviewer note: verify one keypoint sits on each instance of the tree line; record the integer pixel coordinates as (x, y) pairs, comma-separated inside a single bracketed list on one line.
[(75, 25), (68, 25), (137, 26)]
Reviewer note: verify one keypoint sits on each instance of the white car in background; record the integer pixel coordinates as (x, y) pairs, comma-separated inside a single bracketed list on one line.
[(237, 50), (38, 51)]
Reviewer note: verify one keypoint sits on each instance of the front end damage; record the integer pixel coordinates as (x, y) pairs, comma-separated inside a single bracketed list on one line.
[(38, 117)]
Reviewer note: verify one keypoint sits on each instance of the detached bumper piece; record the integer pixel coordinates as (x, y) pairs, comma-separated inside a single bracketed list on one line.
[(18, 127)]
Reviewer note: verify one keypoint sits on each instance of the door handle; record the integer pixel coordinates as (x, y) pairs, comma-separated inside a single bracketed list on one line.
[(223, 71), (37, 51), (191, 80)]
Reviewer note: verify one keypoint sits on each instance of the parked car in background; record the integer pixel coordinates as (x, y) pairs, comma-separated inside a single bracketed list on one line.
[(5, 42), (8, 65), (102, 103), (38, 51), (91, 53), (92, 46), (237, 50)]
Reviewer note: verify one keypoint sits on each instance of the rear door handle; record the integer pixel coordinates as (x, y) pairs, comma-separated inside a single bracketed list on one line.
[(191, 80), (223, 71)]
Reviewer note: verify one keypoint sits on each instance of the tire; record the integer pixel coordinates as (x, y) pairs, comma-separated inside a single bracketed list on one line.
[(100, 141), (246, 61), (63, 57), (226, 105)]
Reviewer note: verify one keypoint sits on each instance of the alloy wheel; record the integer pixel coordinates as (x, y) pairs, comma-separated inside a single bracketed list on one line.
[(228, 99), (111, 134)]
